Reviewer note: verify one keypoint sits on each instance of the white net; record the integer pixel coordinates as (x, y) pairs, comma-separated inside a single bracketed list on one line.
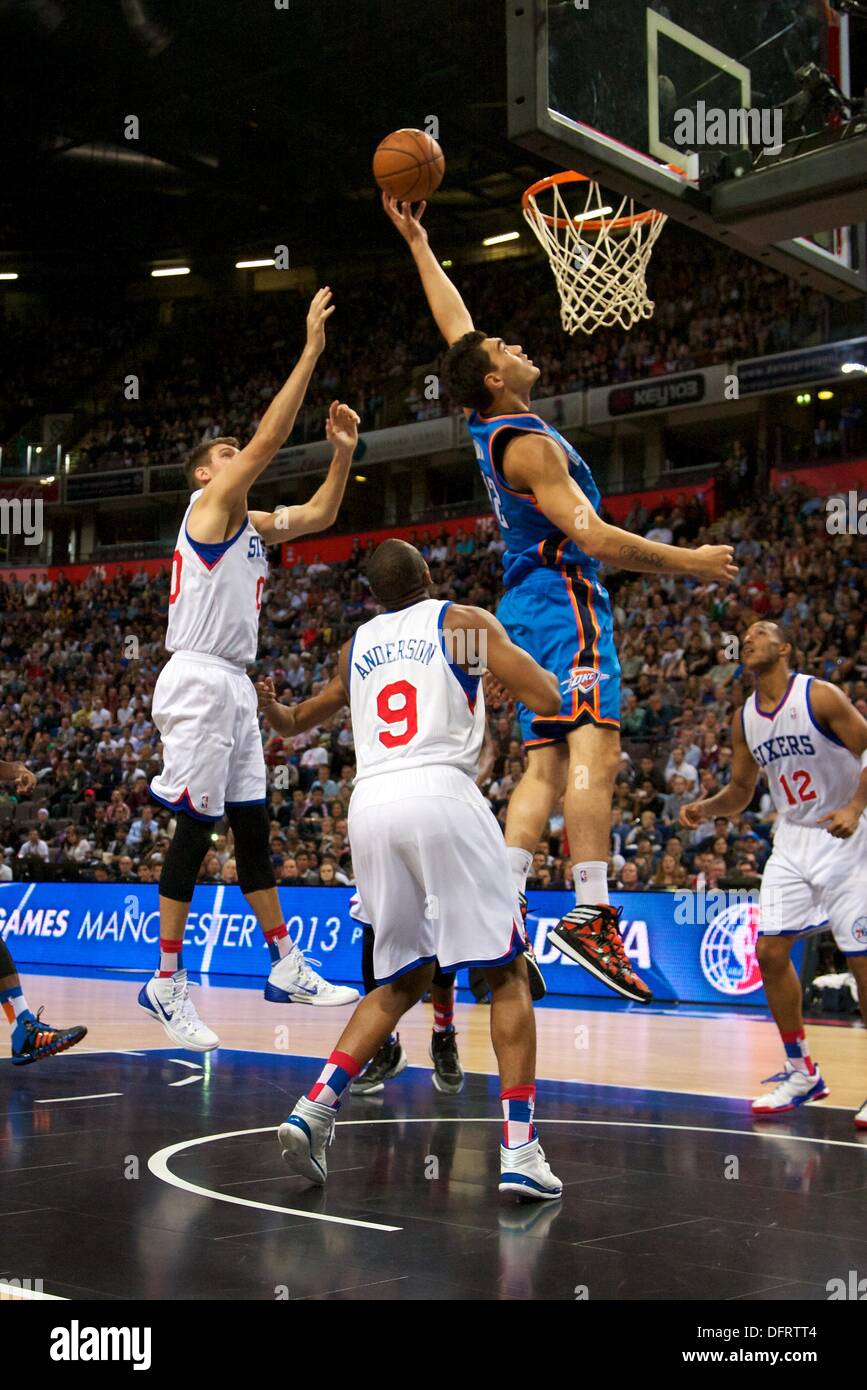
[(599, 262)]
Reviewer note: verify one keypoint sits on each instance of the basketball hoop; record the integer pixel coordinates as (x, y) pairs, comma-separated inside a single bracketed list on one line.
[(599, 256)]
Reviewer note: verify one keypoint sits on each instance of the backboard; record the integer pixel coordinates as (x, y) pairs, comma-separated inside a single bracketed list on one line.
[(622, 89)]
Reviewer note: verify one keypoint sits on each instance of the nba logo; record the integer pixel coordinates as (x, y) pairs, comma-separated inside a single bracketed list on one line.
[(728, 950)]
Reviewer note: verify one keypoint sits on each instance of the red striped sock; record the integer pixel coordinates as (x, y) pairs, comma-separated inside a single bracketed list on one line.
[(334, 1078), (170, 958), (444, 1015), (279, 942), (519, 1102), (798, 1051)]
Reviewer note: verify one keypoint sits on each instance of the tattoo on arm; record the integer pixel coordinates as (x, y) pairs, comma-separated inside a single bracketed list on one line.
[(645, 557)]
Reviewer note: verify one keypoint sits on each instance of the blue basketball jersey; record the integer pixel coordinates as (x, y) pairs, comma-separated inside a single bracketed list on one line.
[(532, 541)]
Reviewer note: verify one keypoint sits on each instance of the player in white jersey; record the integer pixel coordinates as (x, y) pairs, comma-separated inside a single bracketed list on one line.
[(811, 744), (430, 862), (205, 706)]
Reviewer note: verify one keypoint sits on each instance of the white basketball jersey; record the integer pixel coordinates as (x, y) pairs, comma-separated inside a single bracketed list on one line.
[(809, 772), (216, 594), (411, 707)]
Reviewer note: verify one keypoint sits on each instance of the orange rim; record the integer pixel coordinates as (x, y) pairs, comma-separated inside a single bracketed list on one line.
[(596, 224)]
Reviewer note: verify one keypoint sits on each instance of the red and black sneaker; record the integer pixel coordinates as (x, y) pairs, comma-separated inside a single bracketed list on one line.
[(32, 1039), (589, 935), (538, 988)]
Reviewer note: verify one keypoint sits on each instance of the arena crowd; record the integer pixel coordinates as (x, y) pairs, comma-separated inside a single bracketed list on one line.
[(78, 664)]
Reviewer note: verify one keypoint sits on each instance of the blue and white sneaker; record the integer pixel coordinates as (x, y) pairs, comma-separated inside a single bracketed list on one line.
[(795, 1088), (525, 1172), (167, 999), (293, 982), (304, 1136)]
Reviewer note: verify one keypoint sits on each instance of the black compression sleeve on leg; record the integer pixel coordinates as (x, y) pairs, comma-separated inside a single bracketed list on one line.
[(251, 829), (443, 979), (7, 964), (367, 961), (184, 858)]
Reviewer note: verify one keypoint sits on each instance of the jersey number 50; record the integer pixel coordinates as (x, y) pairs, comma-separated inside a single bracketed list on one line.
[(405, 712)]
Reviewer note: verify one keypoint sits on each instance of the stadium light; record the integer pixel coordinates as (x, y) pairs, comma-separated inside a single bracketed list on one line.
[(849, 367), (360, 478), (594, 212), (170, 270), (825, 395), (8, 274), (254, 265), (446, 265), (504, 236), (803, 398)]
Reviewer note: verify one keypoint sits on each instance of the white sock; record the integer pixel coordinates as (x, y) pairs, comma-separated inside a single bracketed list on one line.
[(519, 862), (591, 882)]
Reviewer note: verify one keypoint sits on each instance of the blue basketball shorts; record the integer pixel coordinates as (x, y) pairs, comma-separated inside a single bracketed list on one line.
[(564, 622)]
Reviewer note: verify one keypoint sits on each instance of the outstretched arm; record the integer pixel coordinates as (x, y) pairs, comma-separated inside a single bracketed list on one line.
[(226, 494), (489, 646), (734, 798), (450, 312), (321, 510), (537, 465), (289, 720)]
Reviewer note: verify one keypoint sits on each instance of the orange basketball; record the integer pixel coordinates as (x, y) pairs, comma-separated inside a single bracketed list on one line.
[(409, 165)]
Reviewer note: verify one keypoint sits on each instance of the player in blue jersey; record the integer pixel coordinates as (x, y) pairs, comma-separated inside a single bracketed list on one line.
[(546, 502)]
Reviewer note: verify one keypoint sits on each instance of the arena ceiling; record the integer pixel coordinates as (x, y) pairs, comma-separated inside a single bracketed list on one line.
[(256, 125)]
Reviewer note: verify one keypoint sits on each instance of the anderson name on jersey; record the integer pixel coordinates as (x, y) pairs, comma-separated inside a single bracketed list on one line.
[(411, 706)]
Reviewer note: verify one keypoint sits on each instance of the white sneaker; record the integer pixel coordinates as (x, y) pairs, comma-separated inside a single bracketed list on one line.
[(293, 982), (167, 999), (795, 1088), (525, 1172), (304, 1136), (861, 1117)]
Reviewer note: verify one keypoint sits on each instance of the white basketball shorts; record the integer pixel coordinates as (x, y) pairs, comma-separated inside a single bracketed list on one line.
[(813, 880), (432, 872), (206, 711)]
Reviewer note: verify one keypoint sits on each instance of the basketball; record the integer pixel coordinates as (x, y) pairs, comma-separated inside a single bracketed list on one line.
[(409, 165)]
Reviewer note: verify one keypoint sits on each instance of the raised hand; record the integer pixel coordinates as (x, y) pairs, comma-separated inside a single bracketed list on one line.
[(408, 223), (265, 693), (318, 314), (714, 563), (692, 814), (341, 427)]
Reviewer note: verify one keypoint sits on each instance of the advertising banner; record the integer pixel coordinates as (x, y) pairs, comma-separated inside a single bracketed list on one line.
[(687, 947)]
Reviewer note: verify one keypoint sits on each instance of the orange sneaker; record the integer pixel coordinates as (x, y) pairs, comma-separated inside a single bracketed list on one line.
[(589, 935)]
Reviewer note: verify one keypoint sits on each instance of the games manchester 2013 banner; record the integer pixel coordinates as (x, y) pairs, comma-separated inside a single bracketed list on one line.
[(688, 947)]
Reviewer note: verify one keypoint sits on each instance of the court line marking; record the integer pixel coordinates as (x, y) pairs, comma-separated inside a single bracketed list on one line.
[(179, 1061), (59, 1100), (557, 1080), (615, 1124), (158, 1163), (560, 1080), (189, 1080)]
